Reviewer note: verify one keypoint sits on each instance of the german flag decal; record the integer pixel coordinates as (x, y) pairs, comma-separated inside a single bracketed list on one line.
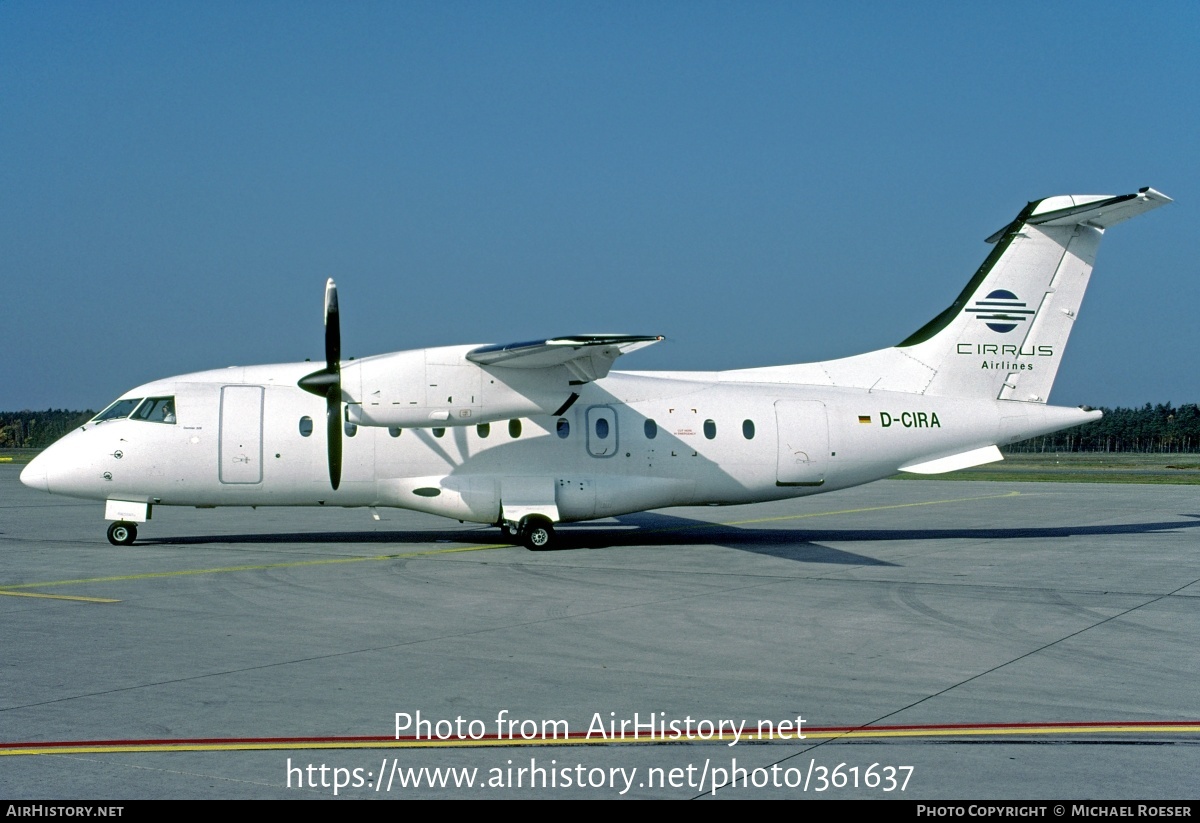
[(864, 418)]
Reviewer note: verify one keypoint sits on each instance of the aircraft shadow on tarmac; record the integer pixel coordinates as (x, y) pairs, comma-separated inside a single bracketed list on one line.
[(657, 529)]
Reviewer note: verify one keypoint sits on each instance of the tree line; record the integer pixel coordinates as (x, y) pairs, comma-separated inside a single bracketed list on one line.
[(38, 429), (1160, 428)]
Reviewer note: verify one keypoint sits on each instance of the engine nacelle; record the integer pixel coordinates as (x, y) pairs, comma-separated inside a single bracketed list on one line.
[(439, 387)]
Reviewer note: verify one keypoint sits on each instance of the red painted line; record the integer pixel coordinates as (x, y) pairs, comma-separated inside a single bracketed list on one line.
[(1056, 725), (813, 730)]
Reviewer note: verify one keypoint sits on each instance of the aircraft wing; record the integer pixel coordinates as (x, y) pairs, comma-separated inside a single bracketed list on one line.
[(587, 356)]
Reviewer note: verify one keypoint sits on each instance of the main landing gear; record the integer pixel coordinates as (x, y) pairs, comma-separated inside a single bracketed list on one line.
[(534, 532), (122, 533)]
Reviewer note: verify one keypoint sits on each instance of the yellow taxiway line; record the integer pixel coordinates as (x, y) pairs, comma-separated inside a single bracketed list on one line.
[(60, 597), (725, 738), (11, 590)]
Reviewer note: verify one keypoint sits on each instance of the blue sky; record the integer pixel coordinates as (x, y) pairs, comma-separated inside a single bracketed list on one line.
[(762, 183)]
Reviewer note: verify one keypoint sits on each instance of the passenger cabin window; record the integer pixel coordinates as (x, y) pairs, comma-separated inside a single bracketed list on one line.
[(710, 429), (748, 429), (394, 431), (122, 408), (350, 429), (156, 410), (514, 428), (306, 426), (439, 432), (563, 427), (601, 428), (483, 430), (651, 429)]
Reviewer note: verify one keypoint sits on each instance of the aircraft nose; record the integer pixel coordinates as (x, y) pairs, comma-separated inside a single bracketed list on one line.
[(66, 467), (34, 475)]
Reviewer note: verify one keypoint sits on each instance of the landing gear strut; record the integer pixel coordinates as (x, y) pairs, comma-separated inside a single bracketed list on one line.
[(122, 533)]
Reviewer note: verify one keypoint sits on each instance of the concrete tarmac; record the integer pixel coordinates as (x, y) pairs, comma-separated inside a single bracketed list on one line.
[(940, 640)]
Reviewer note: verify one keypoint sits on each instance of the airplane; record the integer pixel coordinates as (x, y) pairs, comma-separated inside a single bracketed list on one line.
[(528, 435)]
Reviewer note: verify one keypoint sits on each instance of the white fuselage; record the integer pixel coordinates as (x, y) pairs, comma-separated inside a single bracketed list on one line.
[(238, 440)]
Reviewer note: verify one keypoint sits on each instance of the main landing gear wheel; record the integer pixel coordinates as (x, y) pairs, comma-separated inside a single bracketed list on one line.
[(122, 533), (537, 534)]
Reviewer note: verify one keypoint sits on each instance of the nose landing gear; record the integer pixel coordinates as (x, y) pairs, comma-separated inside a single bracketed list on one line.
[(122, 533)]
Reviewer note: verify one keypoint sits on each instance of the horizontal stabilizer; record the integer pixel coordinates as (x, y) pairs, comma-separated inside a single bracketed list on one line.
[(588, 356), (965, 460), (1096, 210)]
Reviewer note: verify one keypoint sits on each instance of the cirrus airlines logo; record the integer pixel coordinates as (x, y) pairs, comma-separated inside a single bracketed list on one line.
[(1001, 310)]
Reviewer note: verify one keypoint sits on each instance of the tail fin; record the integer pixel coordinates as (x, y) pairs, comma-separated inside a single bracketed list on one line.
[(1004, 336)]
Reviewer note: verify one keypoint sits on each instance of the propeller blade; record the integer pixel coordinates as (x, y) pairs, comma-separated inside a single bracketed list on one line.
[(333, 392), (333, 328), (327, 383), (333, 434)]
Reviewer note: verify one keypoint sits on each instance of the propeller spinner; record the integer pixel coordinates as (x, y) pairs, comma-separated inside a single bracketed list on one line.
[(327, 383)]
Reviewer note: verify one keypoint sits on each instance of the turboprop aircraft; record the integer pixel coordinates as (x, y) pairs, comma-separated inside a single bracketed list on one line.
[(528, 435)]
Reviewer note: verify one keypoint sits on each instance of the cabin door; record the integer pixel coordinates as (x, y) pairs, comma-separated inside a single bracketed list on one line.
[(240, 447), (803, 442)]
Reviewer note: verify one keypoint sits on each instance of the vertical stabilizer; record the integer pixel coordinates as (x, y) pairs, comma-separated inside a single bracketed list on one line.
[(1005, 334)]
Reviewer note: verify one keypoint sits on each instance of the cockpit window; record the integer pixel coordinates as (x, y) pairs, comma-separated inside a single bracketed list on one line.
[(156, 410), (117, 410)]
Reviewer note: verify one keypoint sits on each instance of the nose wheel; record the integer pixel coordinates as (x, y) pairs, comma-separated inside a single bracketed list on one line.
[(122, 533)]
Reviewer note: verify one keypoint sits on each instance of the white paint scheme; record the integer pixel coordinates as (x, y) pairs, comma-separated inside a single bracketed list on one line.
[(127, 510), (975, 377), (975, 457)]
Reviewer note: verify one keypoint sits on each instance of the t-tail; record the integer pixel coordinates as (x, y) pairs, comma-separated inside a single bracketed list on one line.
[(1005, 334), (1003, 338)]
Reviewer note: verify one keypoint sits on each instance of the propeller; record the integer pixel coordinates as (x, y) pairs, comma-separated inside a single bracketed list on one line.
[(327, 383)]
